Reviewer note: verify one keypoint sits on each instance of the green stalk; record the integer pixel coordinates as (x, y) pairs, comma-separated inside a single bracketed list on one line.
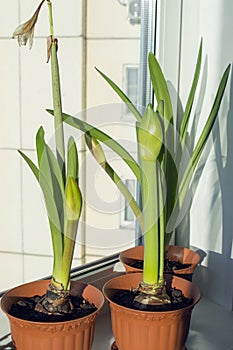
[(150, 139), (72, 209), (71, 229), (150, 216), (59, 138), (162, 232), (58, 252), (58, 123)]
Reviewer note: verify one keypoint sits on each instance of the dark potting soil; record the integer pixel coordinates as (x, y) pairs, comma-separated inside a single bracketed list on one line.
[(25, 309), (169, 265), (126, 298)]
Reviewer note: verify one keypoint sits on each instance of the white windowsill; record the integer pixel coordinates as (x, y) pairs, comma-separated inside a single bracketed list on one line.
[(211, 326)]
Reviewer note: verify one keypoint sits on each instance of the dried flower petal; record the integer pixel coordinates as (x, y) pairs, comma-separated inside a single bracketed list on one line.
[(49, 45), (25, 32)]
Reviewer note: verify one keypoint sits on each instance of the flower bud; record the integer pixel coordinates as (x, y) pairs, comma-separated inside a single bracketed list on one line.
[(150, 135), (96, 149), (73, 200)]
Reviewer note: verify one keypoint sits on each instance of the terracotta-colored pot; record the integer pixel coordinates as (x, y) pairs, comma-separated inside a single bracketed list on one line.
[(68, 335), (174, 253), (141, 330)]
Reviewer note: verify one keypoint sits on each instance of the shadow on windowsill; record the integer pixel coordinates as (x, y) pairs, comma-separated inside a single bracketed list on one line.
[(9, 345)]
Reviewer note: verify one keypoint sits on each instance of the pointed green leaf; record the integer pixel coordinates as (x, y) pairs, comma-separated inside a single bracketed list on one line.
[(160, 87), (99, 155), (51, 182), (72, 160), (106, 139), (122, 95), (33, 167), (51, 208), (55, 169), (188, 108), (40, 143), (185, 182)]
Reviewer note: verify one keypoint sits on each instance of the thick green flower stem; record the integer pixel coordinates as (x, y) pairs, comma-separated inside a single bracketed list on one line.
[(152, 288), (58, 123), (150, 215), (69, 243), (58, 251), (162, 233)]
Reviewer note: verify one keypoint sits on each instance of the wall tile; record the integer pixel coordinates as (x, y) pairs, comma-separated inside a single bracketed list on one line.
[(102, 54), (36, 92), (108, 19), (67, 17), (8, 18), (36, 267), (36, 233), (11, 270), (10, 203), (9, 92)]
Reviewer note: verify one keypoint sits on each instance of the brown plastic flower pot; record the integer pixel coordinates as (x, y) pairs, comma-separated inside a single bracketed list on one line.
[(174, 253), (142, 330), (68, 335)]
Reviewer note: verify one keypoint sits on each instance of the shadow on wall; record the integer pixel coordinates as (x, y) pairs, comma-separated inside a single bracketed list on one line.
[(182, 236), (224, 263), (216, 281)]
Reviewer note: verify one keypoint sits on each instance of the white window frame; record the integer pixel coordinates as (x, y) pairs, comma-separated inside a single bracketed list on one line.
[(124, 223), (126, 114)]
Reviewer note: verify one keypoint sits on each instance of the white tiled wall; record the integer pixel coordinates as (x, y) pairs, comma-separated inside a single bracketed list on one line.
[(25, 93)]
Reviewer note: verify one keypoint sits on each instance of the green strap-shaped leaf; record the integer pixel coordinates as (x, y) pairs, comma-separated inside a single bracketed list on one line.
[(99, 155), (40, 144), (184, 184), (33, 167), (188, 108), (52, 185), (72, 160), (55, 169), (48, 163), (55, 226), (122, 95), (160, 87), (106, 139), (53, 215)]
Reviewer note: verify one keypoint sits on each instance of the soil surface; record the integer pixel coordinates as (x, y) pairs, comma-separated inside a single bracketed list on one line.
[(169, 265), (25, 309), (126, 298)]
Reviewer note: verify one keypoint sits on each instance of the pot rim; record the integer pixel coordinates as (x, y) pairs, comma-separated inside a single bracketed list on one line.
[(123, 257), (6, 295), (169, 312)]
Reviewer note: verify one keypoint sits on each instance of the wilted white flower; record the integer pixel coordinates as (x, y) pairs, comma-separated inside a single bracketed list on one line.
[(25, 31)]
